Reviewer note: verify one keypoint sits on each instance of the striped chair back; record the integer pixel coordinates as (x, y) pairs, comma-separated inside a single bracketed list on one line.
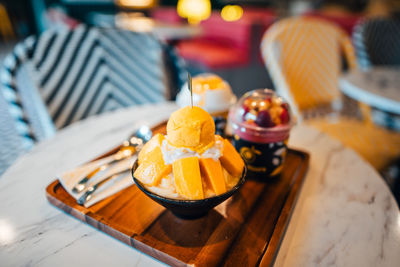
[(67, 75), (304, 60), (377, 42), (88, 71), (11, 144), (21, 97), (24, 119)]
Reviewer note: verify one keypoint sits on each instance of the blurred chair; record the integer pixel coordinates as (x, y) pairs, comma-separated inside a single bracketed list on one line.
[(166, 15), (303, 56), (67, 75), (88, 71), (24, 119), (222, 45), (226, 44), (377, 42), (6, 29), (231, 49), (260, 19)]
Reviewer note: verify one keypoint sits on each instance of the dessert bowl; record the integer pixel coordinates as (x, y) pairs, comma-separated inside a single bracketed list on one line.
[(189, 209)]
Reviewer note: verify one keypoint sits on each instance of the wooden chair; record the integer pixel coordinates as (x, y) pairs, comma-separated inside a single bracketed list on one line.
[(303, 56)]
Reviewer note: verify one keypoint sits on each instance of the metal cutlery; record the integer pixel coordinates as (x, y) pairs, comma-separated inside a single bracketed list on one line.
[(92, 188), (129, 147), (120, 155)]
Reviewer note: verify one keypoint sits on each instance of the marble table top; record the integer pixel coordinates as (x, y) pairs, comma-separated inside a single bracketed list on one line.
[(378, 87), (345, 216)]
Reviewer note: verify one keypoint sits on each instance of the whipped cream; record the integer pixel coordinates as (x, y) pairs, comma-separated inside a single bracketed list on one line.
[(172, 153), (166, 187)]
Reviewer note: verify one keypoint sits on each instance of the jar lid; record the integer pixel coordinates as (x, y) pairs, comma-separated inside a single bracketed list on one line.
[(261, 116)]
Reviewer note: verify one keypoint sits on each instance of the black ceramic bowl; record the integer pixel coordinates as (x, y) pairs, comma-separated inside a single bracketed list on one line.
[(189, 209)]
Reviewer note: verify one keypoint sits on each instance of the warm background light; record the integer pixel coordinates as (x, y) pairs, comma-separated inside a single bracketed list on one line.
[(136, 3), (134, 22), (231, 12), (194, 10)]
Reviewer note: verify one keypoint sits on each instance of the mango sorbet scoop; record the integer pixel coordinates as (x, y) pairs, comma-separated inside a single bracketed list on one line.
[(191, 127)]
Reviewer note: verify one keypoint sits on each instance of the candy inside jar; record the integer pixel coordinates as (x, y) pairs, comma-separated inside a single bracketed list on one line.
[(261, 122)]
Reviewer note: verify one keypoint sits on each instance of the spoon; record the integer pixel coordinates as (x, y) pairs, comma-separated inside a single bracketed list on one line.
[(129, 147), (92, 188)]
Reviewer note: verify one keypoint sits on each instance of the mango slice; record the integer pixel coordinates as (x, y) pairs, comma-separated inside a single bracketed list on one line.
[(155, 142), (230, 180), (212, 172), (187, 178), (152, 169), (231, 159)]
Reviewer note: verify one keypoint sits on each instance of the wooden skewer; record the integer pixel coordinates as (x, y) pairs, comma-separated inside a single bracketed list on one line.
[(190, 89)]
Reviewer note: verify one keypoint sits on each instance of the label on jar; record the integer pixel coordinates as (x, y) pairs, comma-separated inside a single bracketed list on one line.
[(266, 159)]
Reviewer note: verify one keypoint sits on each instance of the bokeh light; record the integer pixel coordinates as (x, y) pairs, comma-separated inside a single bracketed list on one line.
[(136, 3), (194, 10), (231, 12)]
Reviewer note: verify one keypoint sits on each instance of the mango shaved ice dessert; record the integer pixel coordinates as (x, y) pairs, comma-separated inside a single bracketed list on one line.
[(190, 162)]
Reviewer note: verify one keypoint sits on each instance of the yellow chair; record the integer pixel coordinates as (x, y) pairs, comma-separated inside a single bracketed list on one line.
[(304, 59), (6, 30)]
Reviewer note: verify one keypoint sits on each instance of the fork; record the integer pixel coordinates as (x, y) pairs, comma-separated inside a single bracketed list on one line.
[(130, 146), (92, 188)]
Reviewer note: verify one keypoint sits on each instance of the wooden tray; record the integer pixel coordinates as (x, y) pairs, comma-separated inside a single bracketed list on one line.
[(245, 230)]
